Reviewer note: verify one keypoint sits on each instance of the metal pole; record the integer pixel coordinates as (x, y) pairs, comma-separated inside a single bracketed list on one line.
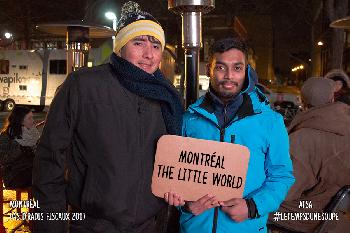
[(115, 29), (191, 75), (191, 42), (191, 13)]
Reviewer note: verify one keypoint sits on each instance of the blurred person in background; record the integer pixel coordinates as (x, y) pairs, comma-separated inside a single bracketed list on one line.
[(319, 147), (342, 85), (18, 140)]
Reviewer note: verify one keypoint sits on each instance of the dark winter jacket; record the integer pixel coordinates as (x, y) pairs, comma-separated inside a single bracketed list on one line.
[(97, 152), (16, 163), (343, 96)]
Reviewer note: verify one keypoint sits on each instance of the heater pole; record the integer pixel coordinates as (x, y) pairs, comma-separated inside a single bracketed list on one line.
[(191, 75), (191, 13)]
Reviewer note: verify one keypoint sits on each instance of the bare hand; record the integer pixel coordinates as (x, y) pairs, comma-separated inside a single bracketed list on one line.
[(173, 199), (236, 209), (202, 204)]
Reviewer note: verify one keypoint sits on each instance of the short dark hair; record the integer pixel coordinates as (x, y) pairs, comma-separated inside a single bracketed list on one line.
[(13, 123), (226, 44), (339, 78)]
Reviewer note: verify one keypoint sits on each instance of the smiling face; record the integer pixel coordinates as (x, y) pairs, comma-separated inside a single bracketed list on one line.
[(227, 73), (144, 52)]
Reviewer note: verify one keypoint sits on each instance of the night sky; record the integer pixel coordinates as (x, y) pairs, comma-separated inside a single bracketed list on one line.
[(291, 19)]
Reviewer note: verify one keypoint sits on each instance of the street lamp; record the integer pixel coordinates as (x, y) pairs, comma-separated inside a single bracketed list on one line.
[(111, 16), (7, 35), (6, 39), (319, 43)]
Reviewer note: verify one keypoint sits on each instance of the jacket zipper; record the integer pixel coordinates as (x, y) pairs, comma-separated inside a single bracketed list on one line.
[(140, 187), (216, 210), (225, 116), (215, 219)]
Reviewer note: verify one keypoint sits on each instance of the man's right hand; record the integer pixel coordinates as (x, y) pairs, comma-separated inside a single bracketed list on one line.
[(194, 207), (173, 199), (202, 204)]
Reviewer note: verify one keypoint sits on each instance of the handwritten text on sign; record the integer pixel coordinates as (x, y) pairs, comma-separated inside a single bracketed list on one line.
[(195, 167)]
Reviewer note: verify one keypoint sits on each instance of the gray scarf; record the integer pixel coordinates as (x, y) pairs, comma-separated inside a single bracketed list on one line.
[(29, 137)]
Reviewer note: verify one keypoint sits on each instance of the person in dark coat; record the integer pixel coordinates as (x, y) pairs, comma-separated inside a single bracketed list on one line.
[(319, 148), (98, 144), (18, 140)]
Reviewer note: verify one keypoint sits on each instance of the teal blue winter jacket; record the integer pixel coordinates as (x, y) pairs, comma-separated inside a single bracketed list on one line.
[(269, 174)]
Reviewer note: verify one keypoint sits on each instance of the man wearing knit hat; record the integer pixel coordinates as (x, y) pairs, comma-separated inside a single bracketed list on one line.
[(319, 148), (317, 91), (97, 149)]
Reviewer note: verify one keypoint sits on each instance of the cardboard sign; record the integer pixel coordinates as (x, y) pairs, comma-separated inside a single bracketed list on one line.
[(193, 168)]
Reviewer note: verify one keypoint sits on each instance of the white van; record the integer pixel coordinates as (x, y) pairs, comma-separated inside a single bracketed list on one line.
[(29, 77)]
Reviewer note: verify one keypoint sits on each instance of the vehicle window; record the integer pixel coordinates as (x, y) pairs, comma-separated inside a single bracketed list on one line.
[(58, 67), (4, 66), (23, 87)]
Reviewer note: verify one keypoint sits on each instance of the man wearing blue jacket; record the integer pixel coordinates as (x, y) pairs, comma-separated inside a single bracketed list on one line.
[(235, 111)]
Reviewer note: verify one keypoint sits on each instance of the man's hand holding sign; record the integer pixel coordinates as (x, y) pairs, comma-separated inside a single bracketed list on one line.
[(200, 174), (196, 207)]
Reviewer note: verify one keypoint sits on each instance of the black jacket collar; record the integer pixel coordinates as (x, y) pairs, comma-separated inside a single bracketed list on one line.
[(246, 108)]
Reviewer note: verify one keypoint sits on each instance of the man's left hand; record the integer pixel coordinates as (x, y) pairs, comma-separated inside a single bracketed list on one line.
[(236, 209)]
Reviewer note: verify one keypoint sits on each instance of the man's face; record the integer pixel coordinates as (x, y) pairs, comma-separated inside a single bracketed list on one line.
[(227, 73), (144, 52)]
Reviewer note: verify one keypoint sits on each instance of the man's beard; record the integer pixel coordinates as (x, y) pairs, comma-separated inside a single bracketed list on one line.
[(227, 94)]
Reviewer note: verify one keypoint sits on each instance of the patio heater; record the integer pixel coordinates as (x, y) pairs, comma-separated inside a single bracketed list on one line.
[(78, 34), (191, 13), (343, 23)]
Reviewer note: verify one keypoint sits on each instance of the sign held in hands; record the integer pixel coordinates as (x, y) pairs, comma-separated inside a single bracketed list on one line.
[(193, 168)]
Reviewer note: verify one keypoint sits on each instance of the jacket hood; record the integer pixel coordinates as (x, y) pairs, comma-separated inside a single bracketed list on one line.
[(250, 81), (332, 118), (339, 74)]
